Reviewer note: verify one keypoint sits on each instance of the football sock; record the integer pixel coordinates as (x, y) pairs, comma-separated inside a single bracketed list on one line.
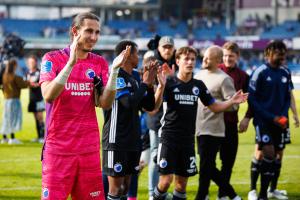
[(178, 195), (277, 169), (112, 197), (158, 195), (267, 172), (254, 173)]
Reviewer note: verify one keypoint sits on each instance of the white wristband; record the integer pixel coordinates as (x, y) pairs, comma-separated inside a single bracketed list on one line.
[(112, 80), (64, 74)]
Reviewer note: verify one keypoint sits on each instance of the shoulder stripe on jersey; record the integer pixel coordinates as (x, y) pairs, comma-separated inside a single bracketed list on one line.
[(258, 71), (213, 100), (113, 122), (285, 69), (121, 93), (255, 75)]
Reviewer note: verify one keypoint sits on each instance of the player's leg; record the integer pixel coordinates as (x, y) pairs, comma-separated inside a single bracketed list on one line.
[(131, 178), (179, 192), (185, 166), (255, 168), (165, 159), (88, 184), (58, 176), (114, 166), (266, 144), (255, 172), (161, 190), (279, 150), (228, 151)]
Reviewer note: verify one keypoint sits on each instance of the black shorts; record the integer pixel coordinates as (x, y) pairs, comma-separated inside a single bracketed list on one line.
[(120, 163), (36, 106), (270, 135), (173, 159)]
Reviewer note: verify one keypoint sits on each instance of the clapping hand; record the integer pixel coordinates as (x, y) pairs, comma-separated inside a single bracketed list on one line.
[(73, 50), (121, 58), (167, 70), (150, 72)]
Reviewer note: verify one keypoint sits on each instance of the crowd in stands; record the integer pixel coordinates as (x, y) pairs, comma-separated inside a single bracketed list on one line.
[(196, 27)]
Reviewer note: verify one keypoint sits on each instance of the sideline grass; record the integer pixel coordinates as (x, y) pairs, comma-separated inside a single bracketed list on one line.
[(20, 166)]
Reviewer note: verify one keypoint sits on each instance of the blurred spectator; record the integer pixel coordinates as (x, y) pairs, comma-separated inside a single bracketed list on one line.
[(173, 22), (12, 112), (49, 32), (36, 102)]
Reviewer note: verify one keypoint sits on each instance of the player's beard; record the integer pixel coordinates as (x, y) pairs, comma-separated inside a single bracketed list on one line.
[(279, 62), (81, 45), (87, 50)]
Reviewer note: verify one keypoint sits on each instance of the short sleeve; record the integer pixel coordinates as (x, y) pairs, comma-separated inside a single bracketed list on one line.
[(48, 69), (205, 95), (121, 88), (104, 71)]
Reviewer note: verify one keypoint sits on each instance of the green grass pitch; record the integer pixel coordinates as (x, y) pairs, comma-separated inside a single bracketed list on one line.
[(20, 166)]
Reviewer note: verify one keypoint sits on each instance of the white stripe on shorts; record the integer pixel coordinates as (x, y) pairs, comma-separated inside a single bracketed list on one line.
[(113, 122)]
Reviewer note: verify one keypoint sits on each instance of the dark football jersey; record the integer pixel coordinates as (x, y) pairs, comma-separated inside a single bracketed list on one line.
[(35, 94), (269, 93), (121, 129), (180, 104)]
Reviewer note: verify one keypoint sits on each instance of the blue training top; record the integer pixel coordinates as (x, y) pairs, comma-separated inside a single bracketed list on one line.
[(269, 93)]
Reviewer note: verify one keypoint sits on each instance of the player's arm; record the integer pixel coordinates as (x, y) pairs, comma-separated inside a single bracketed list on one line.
[(150, 72), (294, 110), (237, 98), (52, 89), (161, 77), (143, 97), (216, 107), (244, 123), (158, 99), (107, 96)]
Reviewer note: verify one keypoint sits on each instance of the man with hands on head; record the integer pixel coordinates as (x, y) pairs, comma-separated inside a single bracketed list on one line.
[(71, 157)]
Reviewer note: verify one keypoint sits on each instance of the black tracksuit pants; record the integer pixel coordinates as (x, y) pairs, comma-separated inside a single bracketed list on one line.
[(208, 147)]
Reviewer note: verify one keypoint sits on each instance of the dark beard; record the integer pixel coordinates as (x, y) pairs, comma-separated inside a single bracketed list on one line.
[(87, 50)]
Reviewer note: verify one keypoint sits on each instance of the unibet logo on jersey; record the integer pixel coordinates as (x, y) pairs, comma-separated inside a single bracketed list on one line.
[(80, 89), (186, 99)]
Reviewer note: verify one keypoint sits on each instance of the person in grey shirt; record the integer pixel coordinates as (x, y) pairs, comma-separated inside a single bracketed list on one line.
[(210, 127)]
